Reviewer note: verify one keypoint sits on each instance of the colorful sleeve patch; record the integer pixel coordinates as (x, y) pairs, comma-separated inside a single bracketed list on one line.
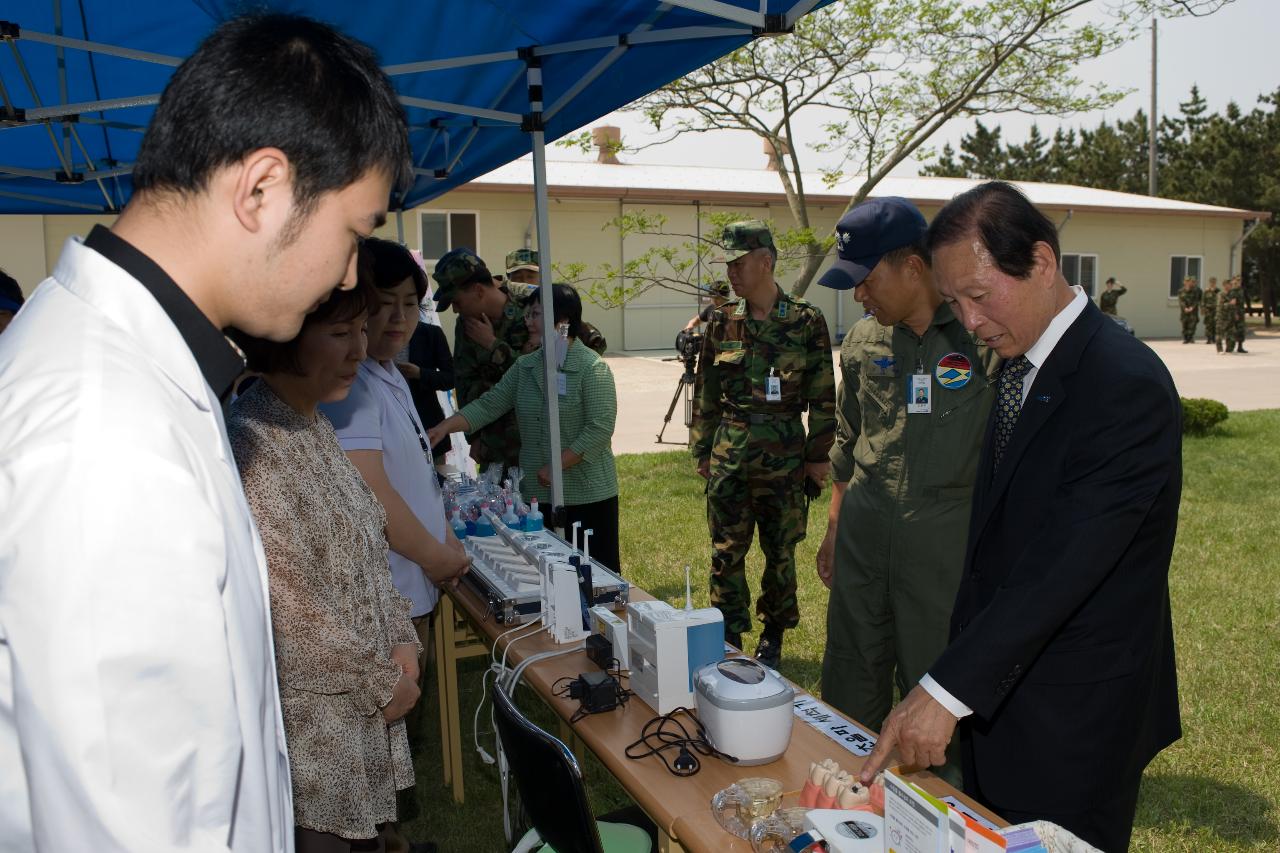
[(954, 370)]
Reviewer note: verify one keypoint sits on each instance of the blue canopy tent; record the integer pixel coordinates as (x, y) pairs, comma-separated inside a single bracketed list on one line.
[(482, 82)]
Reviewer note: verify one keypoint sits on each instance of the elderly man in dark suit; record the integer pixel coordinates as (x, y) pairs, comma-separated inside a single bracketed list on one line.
[(1060, 668)]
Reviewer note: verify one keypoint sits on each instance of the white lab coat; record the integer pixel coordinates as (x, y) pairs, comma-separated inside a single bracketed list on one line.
[(138, 702)]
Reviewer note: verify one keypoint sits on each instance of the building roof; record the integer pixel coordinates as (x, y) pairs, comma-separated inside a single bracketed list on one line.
[(633, 182)]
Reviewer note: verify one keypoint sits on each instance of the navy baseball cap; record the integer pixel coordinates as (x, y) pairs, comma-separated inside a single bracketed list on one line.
[(867, 233)]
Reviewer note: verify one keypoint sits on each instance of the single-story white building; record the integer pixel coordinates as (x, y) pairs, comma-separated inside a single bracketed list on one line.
[(1147, 243)]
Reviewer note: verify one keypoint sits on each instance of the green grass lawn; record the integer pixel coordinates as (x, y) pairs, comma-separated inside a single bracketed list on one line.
[(1218, 789)]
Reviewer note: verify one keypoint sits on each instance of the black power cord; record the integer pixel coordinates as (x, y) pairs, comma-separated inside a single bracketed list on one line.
[(668, 733), (595, 691)]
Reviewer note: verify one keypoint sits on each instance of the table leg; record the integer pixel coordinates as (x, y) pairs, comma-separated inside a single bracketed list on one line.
[(667, 844), (444, 640)]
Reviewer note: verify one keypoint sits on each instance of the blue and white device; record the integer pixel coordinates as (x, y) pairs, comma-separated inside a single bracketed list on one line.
[(667, 646)]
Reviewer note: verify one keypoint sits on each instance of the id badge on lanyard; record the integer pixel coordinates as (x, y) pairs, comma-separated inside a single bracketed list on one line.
[(920, 392), (773, 386)]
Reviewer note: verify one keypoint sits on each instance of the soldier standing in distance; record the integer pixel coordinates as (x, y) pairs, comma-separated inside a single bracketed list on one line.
[(1209, 310), (902, 467), (1107, 301), (1189, 308), (1231, 316), (489, 336), (766, 357)]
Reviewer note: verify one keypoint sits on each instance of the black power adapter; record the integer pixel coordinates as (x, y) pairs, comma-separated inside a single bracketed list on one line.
[(597, 691), (600, 651)]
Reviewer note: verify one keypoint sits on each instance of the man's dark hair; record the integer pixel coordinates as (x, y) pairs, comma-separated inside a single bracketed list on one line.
[(899, 255), (390, 263), (566, 304), (277, 81), (10, 288), (264, 356), (1004, 219)]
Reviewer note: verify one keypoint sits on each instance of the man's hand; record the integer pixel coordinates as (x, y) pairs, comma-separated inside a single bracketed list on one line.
[(437, 434), (405, 656), (817, 471), (544, 476), (704, 469), (827, 559), (480, 330), (403, 699), (410, 371), (919, 728)]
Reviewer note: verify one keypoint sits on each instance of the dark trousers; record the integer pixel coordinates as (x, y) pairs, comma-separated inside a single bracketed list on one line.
[(602, 518), (1107, 825)]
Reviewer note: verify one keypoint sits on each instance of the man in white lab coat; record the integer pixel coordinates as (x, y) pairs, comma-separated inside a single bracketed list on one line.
[(138, 700)]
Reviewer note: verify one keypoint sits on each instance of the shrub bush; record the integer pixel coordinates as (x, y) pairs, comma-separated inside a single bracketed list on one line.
[(1199, 415)]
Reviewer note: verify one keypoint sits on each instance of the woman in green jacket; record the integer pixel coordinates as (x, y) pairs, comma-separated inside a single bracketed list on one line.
[(588, 410)]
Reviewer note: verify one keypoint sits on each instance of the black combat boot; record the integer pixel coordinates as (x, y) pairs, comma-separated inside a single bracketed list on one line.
[(769, 651)]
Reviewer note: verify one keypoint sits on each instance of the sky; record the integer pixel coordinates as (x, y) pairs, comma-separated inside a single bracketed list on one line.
[(1229, 55)]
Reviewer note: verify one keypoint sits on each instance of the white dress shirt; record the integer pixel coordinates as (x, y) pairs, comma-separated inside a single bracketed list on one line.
[(138, 702), (1037, 355)]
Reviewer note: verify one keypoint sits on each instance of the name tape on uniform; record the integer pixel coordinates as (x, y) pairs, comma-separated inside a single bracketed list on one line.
[(852, 737)]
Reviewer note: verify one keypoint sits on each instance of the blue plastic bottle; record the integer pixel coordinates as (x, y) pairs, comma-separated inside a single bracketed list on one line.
[(533, 521)]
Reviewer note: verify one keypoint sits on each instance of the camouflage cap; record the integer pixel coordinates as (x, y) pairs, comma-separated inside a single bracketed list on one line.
[(456, 268), (522, 259), (742, 237)]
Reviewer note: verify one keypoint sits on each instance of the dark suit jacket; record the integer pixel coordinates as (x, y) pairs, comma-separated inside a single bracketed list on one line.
[(1061, 638), (429, 350)]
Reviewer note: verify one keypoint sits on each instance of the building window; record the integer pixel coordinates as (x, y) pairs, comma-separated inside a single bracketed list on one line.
[(443, 230), (1180, 267), (1081, 270)]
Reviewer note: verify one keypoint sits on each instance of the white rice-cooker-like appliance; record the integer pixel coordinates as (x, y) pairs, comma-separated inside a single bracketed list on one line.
[(746, 709)]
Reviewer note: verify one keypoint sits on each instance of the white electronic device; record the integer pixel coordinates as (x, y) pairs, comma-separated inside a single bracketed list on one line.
[(609, 625), (562, 602), (666, 647), (746, 709), (848, 831)]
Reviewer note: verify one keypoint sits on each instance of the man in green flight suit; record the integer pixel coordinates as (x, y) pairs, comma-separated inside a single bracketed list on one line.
[(1209, 310), (1107, 301), (489, 336), (1189, 309), (766, 358), (913, 404)]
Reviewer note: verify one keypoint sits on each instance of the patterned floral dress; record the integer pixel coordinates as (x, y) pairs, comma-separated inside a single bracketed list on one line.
[(334, 612)]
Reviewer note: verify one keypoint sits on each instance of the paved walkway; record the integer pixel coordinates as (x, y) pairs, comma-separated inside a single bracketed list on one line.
[(646, 383)]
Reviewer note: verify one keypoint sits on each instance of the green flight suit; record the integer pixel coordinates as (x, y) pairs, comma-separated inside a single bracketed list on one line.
[(904, 519), (477, 369), (757, 447)]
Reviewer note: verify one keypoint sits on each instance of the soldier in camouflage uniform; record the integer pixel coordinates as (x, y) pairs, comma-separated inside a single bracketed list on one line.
[(523, 268), (766, 358), (1107, 301), (1189, 307), (902, 467), (487, 339), (1231, 316), (1209, 310)]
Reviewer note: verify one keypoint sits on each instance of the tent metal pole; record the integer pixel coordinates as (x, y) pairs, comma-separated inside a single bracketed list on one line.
[(542, 215), (99, 47)]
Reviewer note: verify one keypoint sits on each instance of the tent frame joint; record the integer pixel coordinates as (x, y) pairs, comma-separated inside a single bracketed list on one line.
[(532, 122), (10, 31), (774, 25), (65, 178)]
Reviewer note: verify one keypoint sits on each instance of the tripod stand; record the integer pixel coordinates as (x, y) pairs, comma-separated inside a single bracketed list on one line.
[(684, 387)]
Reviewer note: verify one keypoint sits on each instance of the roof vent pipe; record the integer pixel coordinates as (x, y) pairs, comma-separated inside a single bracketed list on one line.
[(608, 141)]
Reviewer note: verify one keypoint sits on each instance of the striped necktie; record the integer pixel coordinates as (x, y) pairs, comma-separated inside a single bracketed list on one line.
[(1009, 404)]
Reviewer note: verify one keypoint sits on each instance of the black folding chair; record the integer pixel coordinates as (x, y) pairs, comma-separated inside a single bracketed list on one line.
[(550, 784)]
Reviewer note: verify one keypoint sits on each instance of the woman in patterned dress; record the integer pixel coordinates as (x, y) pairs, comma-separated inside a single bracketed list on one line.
[(346, 651)]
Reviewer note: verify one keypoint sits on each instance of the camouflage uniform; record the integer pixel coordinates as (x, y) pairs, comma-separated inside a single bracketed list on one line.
[(1189, 310), (477, 369), (1209, 310), (757, 448), (1107, 301), (1231, 317)]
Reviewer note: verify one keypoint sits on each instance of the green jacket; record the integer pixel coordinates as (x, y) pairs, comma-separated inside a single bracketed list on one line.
[(739, 355), (477, 369), (910, 476), (588, 411)]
